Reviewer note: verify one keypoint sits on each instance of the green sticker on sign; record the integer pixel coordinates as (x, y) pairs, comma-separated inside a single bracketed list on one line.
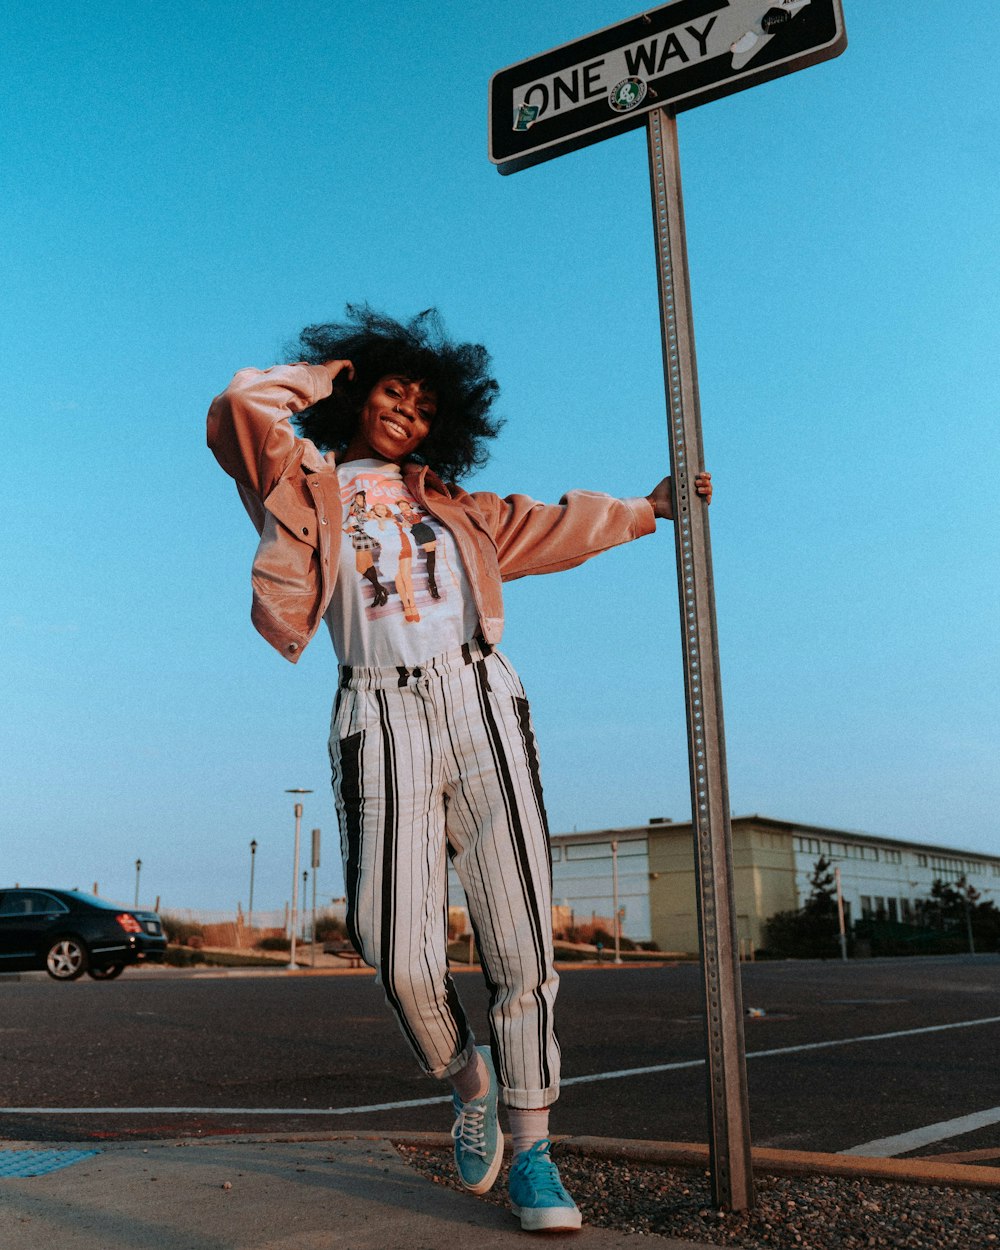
[(627, 95), (526, 115)]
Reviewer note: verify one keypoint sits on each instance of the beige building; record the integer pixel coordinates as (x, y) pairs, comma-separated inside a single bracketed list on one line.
[(772, 862)]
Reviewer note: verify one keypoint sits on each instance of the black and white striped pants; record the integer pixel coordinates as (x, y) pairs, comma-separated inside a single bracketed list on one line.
[(441, 760)]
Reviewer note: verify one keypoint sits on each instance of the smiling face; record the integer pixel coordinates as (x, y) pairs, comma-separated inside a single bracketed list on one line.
[(394, 421)]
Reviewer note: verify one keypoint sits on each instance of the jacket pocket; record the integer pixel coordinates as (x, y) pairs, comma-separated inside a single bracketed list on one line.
[(297, 515)]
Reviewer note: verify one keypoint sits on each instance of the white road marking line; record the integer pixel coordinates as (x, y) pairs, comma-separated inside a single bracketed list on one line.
[(429, 1102), (375, 1106), (786, 1050), (886, 1147)]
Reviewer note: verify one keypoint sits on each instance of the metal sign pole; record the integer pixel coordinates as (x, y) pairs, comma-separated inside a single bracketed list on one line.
[(729, 1119)]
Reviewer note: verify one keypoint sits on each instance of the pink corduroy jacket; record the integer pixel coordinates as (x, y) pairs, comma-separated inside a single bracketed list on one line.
[(292, 494)]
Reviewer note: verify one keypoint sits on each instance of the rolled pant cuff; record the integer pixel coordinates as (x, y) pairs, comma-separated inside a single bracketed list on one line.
[(458, 1063), (529, 1099)]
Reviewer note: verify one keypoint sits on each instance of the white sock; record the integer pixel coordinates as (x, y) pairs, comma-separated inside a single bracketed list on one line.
[(527, 1127), (473, 1080)]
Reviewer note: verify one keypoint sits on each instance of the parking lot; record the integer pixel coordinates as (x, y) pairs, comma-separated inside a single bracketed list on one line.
[(896, 1057)]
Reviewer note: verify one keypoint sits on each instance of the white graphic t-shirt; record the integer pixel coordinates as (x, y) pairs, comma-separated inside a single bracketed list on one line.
[(401, 595)]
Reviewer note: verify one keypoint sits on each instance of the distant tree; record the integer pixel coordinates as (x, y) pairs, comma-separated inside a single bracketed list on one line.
[(956, 909), (809, 932), (822, 900)]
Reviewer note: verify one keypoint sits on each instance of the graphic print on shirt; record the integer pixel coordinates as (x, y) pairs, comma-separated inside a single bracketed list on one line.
[(395, 548)]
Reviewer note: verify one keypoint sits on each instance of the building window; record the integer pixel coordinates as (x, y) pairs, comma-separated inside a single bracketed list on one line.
[(892, 857), (866, 907), (589, 850), (921, 861), (556, 854), (907, 907), (893, 914), (879, 907), (635, 846)]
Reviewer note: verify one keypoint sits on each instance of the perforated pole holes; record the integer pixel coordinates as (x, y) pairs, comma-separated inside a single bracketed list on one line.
[(729, 1130)]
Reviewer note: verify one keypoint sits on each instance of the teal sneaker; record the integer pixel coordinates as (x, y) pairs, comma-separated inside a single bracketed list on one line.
[(537, 1194), (478, 1140)]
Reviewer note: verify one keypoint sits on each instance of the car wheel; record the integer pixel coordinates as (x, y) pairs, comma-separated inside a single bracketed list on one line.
[(107, 973), (66, 959)]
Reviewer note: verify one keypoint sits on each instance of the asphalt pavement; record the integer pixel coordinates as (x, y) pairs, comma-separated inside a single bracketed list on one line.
[(918, 1033), (844, 1054)]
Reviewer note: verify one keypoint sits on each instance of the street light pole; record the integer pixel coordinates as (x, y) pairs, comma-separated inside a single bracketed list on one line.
[(138, 869), (840, 914), (253, 859), (315, 865), (295, 877), (968, 918), (614, 891)]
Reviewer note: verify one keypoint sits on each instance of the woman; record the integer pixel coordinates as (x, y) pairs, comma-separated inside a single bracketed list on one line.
[(431, 746), (396, 559)]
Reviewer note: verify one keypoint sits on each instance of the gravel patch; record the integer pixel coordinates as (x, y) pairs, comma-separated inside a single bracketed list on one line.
[(792, 1213)]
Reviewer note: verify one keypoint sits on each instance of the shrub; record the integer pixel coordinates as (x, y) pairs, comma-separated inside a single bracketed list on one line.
[(274, 944), (800, 935), (178, 930), (181, 957), (329, 928), (591, 934)]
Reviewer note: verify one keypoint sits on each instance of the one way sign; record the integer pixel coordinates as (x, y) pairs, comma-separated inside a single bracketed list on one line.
[(676, 56)]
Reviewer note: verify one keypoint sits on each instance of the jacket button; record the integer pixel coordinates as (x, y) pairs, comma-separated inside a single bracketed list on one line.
[(305, 529), (292, 646)]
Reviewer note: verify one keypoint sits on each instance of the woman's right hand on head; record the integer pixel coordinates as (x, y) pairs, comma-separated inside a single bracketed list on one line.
[(335, 367)]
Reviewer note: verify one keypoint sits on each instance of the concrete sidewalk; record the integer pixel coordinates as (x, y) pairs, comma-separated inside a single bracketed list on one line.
[(343, 1191), (256, 1194)]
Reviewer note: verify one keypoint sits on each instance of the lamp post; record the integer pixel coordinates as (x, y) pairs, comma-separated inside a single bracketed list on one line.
[(969, 895), (295, 877), (840, 914), (315, 865), (253, 859), (614, 890), (138, 869)]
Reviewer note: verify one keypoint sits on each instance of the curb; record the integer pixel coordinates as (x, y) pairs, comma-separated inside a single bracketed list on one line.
[(766, 1159), (673, 1154)]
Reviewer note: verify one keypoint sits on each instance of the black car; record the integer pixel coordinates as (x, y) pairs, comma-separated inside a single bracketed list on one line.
[(68, 933)]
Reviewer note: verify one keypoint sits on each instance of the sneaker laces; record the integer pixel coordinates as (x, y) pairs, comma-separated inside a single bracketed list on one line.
[(469, 1129), (542, 1174)]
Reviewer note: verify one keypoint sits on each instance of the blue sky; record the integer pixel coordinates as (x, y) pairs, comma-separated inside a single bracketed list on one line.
[(186, 185)]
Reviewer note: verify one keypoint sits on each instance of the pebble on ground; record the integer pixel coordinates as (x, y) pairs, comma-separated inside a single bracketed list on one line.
[(792, 1213)]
